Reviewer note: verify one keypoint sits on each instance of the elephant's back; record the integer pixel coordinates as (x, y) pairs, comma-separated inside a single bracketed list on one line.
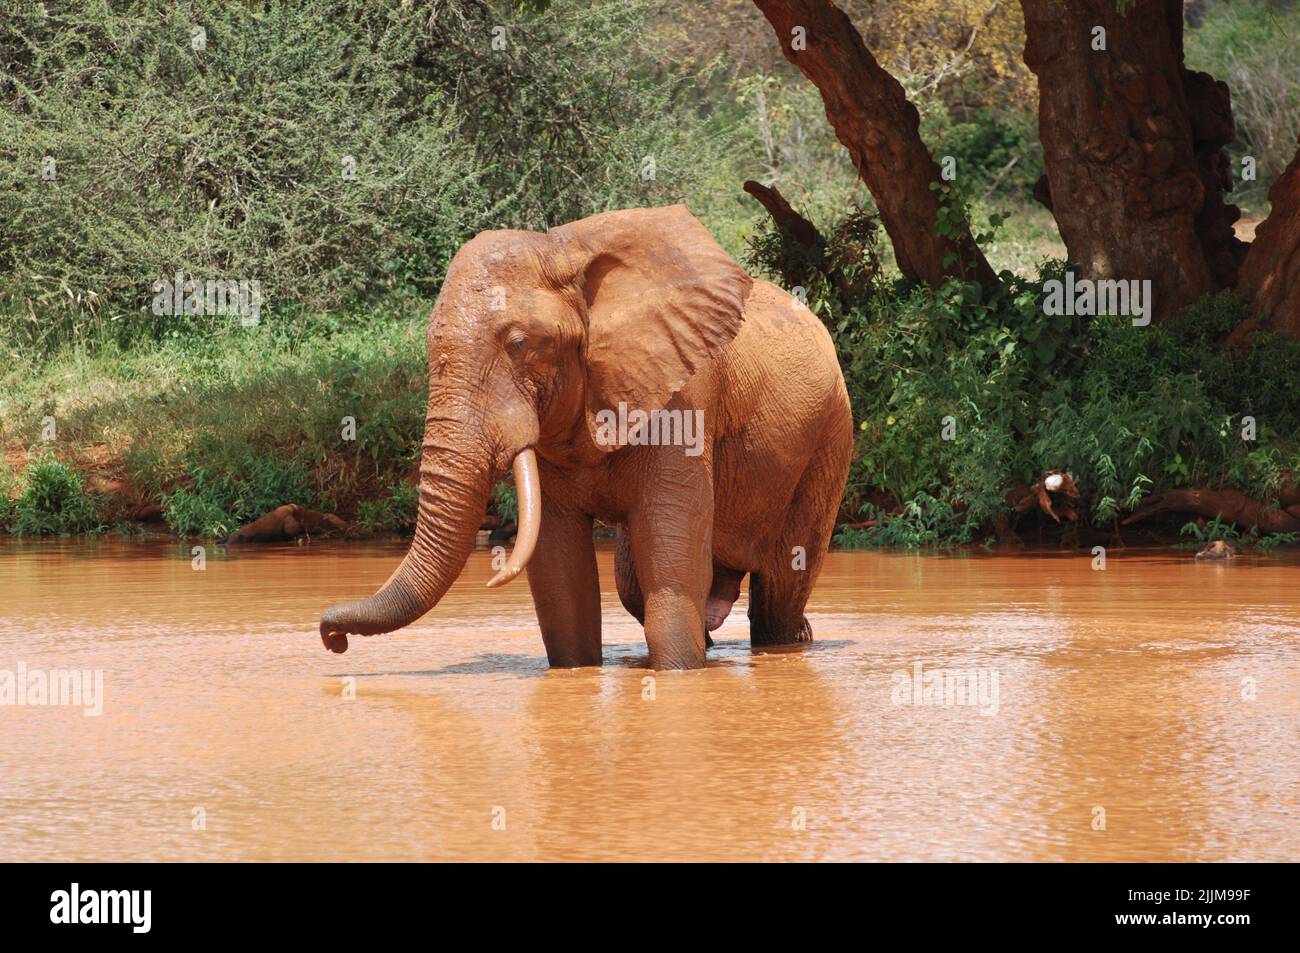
[(783, 360)]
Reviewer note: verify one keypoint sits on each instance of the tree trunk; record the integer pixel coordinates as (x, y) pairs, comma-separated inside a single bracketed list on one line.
[(874, 120), (1271, 275), (1132, 143)]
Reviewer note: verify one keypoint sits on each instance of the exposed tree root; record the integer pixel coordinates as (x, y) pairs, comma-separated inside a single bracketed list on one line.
[(1230, 506)]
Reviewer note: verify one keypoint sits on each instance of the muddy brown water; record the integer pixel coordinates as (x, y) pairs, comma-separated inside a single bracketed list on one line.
[(1162, 692)]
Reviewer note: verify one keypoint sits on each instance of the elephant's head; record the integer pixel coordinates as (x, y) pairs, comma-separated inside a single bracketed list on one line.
[(531, 336)]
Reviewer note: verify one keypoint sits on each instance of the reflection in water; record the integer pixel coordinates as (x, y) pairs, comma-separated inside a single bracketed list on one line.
[(1161, 692)]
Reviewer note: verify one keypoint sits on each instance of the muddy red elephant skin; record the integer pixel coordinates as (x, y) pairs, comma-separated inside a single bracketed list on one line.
[(544, 350)]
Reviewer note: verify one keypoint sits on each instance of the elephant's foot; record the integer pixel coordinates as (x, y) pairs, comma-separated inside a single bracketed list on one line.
[(762, 633), (776, 611)]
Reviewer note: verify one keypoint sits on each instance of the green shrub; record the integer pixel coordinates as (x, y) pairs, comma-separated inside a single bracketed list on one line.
[(833, 275), (230, 489), (235, 153), (996, 149), (192, 514), (1251, 46), (395, 512), (9, 488), (1127, 411), (505, 500), (53, 503), (234, 160)]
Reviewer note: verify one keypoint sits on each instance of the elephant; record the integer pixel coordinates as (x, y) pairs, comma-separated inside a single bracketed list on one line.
[(626, 369), (287, 522)]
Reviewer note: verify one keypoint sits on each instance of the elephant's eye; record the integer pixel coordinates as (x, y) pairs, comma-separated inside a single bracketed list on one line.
[(516, 343)]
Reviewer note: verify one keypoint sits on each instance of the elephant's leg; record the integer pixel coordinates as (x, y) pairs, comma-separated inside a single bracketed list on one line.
[(671, 529), (629, 589), (566, 588), (633, 599), (779, 592)]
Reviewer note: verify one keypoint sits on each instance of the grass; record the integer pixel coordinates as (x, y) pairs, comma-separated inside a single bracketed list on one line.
[(223, 428)]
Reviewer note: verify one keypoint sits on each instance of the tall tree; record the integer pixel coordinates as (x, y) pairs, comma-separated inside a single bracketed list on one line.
[(872, 117), (1132, 144)]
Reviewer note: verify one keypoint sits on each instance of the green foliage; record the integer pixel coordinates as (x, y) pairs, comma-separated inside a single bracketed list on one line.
[(1251, 46), (924, 520), (582, 110), (995, 149), (235, 160), (1215, 530), (9, 488), (229, 490), (1211, 532), (394, 512), (1273, 540), (227, 162), (955, 218), (193, 514), (1126, 410), (52, 503), (220, 162), (214, 415), (841, 269), (505, 501)]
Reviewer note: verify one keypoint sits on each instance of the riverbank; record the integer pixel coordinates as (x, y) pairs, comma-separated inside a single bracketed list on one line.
[(209, 430), (965, 409)]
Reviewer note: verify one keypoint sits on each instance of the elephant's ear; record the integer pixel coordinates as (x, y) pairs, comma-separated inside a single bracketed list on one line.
[(661, 297)]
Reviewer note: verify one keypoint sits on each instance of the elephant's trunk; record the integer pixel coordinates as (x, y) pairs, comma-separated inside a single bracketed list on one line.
[(454, 491)]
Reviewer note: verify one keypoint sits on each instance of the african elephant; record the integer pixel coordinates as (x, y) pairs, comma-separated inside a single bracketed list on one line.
[(628, 369), (287, 522)]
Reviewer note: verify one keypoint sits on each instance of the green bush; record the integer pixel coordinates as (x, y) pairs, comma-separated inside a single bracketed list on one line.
[(52, 503), (842, 269), (229, 490), (505, 500), (996, 149), (1126, 410), (395, 512), (9, 488), (221, 162), (232, 161), (192, 514)]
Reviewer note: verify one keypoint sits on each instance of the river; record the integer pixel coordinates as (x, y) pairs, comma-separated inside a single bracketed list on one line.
[(1147, 711)]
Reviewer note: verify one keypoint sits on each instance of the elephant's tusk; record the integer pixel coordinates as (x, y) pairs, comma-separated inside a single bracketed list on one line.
[(529, 490)]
